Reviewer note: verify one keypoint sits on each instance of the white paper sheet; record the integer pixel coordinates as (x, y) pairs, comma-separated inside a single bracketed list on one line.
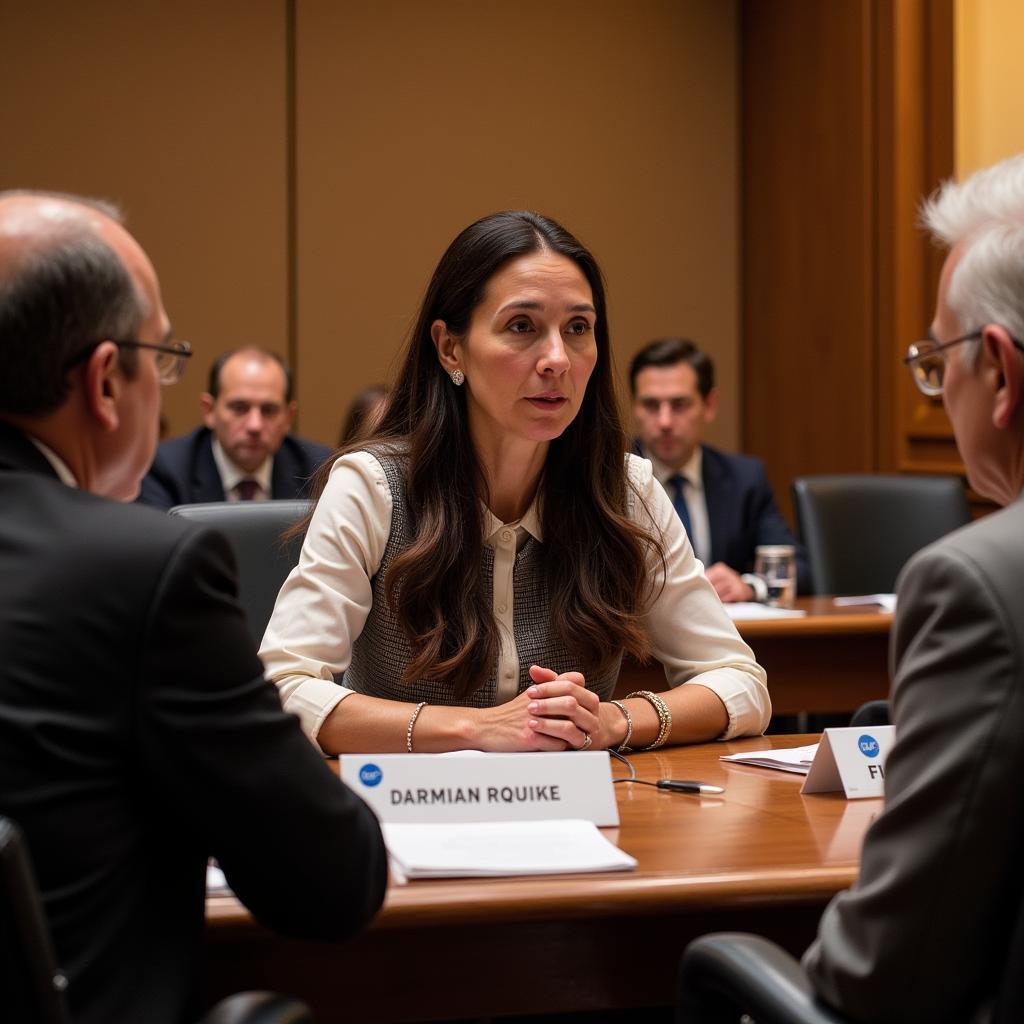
[(788, 759), (492, 848), (216, 883), (743, 610), (887, 601)]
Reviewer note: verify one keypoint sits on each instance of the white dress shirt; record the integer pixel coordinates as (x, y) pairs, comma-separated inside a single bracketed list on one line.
[(231, 476), (324, 603), (693, 494), (60, 467)]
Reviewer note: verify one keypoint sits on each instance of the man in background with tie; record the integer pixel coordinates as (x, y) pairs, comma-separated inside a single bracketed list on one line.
[(243, 452), (725, 501)]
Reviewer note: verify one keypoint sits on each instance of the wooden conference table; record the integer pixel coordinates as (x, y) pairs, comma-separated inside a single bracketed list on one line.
[(760, 857), (831, 659)]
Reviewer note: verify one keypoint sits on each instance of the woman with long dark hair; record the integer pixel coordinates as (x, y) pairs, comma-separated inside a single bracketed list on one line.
[(476, 567)]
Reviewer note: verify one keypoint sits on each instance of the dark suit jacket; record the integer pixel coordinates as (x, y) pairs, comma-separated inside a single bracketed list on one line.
[(138, 737), (924, 933), (184, 472), (742, 513)]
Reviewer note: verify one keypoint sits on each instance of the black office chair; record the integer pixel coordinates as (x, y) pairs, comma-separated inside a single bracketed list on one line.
[(32, 988), (861, 528), (31, 985), (874, 712), (726, 975), (254, 530)]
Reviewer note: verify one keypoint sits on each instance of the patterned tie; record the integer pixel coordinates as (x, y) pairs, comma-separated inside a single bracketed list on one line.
[(247, 489), (676, 485)]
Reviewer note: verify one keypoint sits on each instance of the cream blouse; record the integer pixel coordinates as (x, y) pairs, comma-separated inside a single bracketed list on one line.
[(323, 604)]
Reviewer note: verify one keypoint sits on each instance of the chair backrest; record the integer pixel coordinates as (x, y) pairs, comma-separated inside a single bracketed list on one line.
[(32, 989), (254, 528), (861, 528)]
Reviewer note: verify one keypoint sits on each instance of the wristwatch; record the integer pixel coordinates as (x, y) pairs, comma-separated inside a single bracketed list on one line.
[(757, 584)]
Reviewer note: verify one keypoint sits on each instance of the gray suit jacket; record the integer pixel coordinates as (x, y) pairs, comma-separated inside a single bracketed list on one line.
[(922, 935)]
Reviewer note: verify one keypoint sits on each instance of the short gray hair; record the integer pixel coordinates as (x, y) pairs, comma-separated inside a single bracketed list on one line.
[(984, 214), (57, 298)]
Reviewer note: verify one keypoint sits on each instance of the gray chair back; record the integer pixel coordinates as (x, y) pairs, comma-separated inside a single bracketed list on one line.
[(861, 528), (254, 528)]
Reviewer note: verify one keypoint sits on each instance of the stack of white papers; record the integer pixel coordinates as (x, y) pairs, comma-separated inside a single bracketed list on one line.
[(216, 883), (887, 601), (744, 610), (492, 848), (789, 759)]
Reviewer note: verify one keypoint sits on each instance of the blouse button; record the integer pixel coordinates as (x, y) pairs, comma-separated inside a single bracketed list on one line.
[(506, 535)]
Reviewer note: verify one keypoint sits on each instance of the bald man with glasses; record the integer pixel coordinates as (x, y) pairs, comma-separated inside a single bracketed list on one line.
[(138, 736)]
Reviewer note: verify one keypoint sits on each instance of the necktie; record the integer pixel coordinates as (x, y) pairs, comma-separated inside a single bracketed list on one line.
[(676, 486), (246, 489)]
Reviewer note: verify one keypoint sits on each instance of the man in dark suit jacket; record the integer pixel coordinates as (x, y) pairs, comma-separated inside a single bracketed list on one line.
[(244, 450), (724, 500), (138, 736)]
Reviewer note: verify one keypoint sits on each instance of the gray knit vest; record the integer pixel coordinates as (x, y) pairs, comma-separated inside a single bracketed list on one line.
[(381, 652)]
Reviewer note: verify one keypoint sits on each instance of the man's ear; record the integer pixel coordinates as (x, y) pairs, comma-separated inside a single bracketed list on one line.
[(446, 344), (103, 383), (1005, 368), (711, 405), (289, 412), (206, 403)]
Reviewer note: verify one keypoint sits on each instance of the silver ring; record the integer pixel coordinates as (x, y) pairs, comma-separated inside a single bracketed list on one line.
[(587, 741)]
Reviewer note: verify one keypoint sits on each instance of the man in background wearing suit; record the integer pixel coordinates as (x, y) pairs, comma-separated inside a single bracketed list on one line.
[(138, 736), (724, 501), (924, 933), (244, 451)]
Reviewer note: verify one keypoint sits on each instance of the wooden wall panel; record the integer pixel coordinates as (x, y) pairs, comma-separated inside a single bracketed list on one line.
[(415, 119), (846, 121), (807, 235), (177, 111), (916, 154)]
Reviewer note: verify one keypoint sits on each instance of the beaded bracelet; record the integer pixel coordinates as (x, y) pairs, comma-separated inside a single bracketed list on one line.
[(412, 722), (623, 747), (664, 717)]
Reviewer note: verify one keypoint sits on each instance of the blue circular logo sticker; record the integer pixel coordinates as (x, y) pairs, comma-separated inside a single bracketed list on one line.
[(868, 746), (370, 775)]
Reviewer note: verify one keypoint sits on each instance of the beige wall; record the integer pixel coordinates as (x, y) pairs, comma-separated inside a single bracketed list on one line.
[(411, 119), (177, 111), (618, 119), (989, 82)]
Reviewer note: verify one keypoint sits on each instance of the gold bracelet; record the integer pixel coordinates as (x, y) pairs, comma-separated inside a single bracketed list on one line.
[(623, 747), (664, 717), (412, 722)]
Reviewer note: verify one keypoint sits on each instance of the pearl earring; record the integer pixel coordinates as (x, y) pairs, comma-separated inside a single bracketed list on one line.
[(458, 377)]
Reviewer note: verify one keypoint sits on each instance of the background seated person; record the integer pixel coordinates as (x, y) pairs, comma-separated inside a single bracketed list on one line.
[(477, 566), (363, 412), (244, 452), (725, 501), (138, 736)]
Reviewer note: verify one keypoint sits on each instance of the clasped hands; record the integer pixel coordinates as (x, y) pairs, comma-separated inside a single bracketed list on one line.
[(557, 712)]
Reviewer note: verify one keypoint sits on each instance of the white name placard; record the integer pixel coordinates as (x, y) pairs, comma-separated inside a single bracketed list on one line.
[(474, 786), (852, 760)]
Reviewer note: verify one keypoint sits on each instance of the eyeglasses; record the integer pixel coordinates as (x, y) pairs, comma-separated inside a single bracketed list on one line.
[(170, 358), (927, 361)]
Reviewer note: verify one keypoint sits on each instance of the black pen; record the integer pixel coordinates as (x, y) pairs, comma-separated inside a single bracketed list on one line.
[(688, 786)]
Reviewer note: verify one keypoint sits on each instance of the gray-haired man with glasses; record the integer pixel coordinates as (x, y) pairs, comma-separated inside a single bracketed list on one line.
[(138, 736), (924, 933)]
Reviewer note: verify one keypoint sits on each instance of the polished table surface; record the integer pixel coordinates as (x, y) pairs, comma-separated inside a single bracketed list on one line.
[(760, 857), (829, 660)]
